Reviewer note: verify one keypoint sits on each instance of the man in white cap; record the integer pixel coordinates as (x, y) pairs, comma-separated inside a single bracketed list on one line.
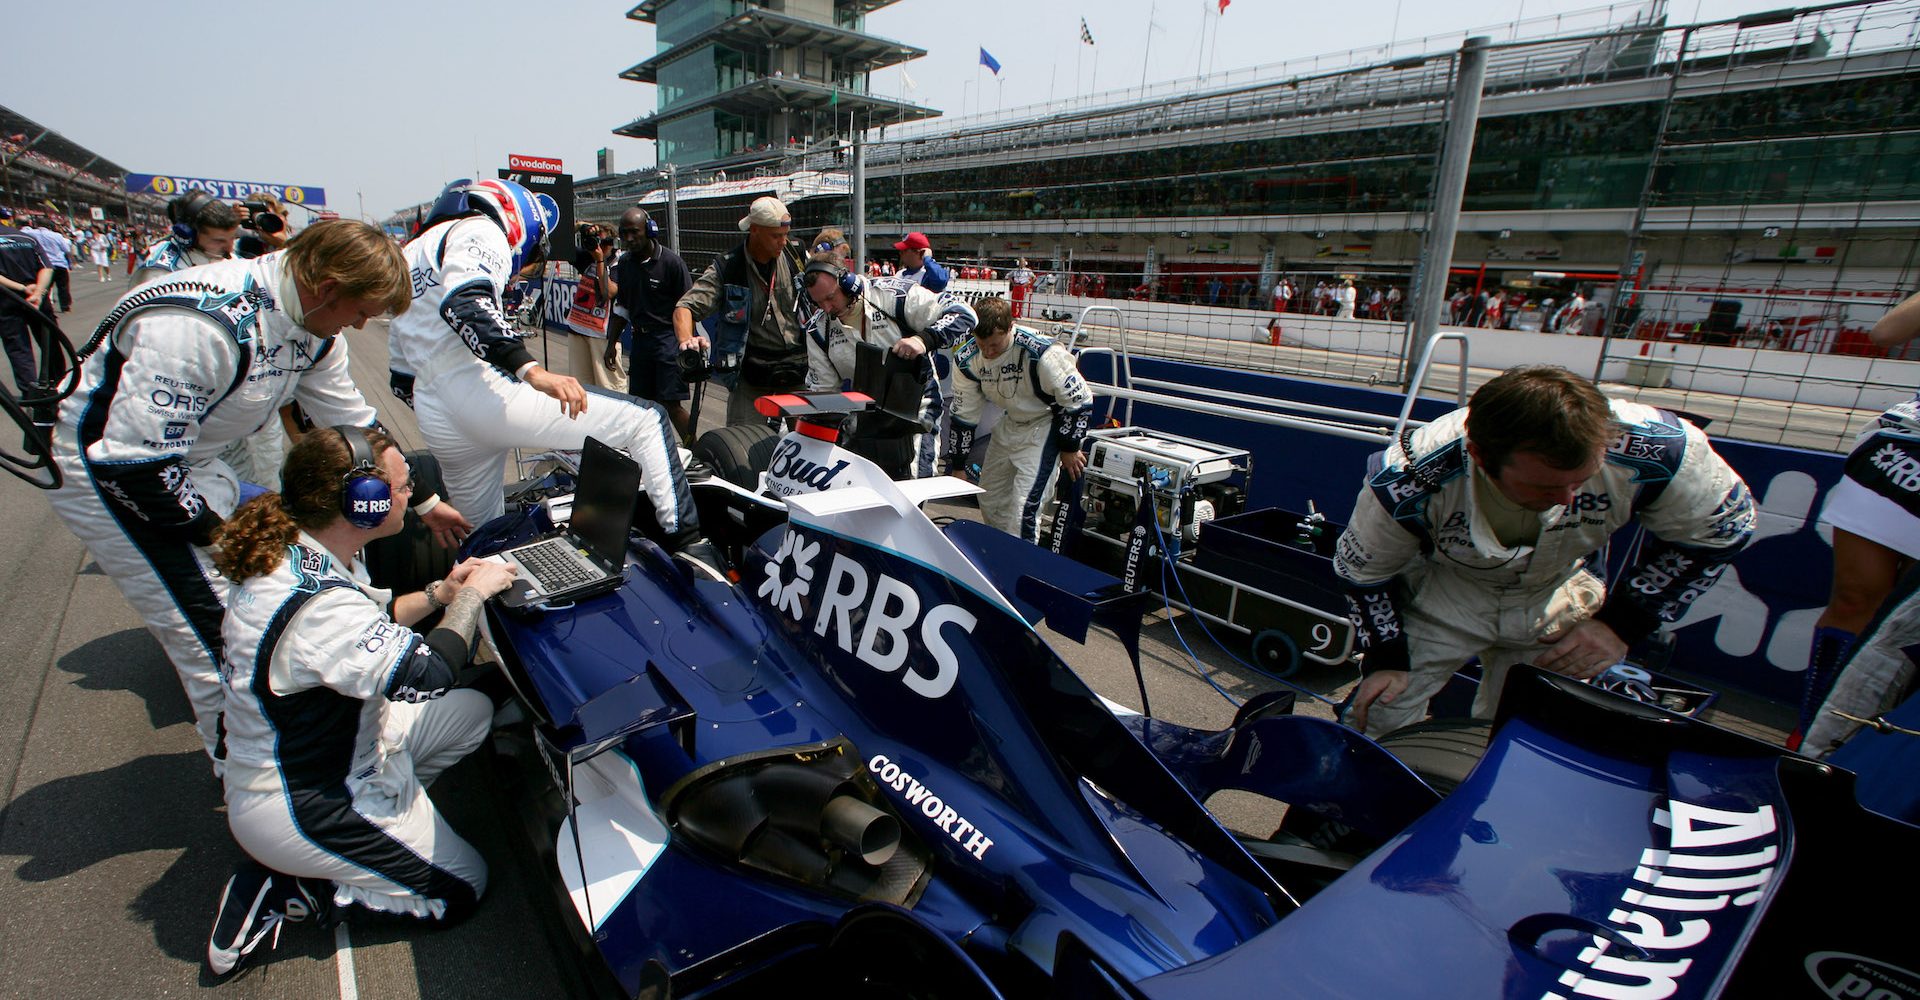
[(916, 262), (751, 293)]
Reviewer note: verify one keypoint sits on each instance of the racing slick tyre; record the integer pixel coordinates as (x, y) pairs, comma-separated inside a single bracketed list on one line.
[(738, 453), (1441, 751)]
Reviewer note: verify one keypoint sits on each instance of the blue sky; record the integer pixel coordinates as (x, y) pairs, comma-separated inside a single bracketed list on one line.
[(386, 101)]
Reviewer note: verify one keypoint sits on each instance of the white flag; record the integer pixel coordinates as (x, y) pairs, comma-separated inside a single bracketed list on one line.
[(908, 80)]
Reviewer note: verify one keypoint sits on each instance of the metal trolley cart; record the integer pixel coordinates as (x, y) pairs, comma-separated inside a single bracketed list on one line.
[(1265, 574)]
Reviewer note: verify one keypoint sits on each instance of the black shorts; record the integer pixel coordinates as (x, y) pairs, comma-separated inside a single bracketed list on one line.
[(653, 367)]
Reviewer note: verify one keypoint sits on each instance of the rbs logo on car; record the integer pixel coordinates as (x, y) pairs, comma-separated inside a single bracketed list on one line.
[(893, 623)]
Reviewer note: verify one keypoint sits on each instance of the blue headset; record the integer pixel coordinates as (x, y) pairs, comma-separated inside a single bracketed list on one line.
[(182, 210), (848, 281), (365, 498)]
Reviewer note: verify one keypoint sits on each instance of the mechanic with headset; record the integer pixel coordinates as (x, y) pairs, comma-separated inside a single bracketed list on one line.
[(752, 291), (477, 390), (1046, 403), (339, 715), (648, 281), (1481, 534), (895, 313), (204, 230), (177, 371)]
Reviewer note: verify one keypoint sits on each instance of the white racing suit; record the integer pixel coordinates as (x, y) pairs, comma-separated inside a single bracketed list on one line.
[(1417, 530), (338, 719), (1047, 406), (255, 458), (467, 361), (196, 362), (885, 311)]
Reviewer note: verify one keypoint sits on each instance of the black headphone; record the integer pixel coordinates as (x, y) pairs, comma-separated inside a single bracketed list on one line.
[(849, 282), (182, 210), (365, 498)]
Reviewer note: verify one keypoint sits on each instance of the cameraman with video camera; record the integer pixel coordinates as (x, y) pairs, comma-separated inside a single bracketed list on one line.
[(591, 312), (648, 281)]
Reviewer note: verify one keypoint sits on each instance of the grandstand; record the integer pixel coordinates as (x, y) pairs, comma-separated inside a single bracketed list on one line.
[(42, 169), (1735, 201)]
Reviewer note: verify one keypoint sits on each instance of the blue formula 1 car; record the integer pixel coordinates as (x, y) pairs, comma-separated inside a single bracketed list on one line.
[(856, 769)]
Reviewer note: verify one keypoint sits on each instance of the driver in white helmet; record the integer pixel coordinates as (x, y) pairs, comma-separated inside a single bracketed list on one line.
[(476, 388)]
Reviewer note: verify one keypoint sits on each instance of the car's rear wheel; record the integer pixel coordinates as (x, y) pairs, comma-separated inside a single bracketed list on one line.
[(738, 453)]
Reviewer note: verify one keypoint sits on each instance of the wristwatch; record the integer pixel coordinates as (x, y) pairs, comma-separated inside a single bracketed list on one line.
[(432, 594)]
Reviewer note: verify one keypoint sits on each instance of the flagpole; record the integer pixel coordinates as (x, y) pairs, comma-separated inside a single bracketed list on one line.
[(1148, 49)]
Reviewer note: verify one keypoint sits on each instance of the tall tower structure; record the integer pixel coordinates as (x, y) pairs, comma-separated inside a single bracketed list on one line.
[(740, 80)]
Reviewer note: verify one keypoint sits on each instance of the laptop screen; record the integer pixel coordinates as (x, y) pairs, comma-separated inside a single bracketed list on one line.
[(603, 500)]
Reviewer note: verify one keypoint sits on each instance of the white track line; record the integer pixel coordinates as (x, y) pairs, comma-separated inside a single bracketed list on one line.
[(343, 962)]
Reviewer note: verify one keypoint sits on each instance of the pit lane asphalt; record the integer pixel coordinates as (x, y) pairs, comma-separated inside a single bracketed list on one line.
[(113, 836)]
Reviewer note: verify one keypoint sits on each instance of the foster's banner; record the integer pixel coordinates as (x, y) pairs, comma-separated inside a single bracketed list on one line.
[(173, 186)]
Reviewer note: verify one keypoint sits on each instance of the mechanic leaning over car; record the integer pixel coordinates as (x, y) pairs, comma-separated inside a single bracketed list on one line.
[(895, 313), (339, 716), (188, 365), (1481, 534), (477, 389), (1047, 405)]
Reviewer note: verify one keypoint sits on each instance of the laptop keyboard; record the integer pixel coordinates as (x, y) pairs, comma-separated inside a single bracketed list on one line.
[(556, 564)]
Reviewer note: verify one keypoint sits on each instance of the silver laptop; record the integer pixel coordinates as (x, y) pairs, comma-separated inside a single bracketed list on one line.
[(588, 557)]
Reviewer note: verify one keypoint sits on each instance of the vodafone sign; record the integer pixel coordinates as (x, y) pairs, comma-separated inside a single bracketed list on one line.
[(534, 164)]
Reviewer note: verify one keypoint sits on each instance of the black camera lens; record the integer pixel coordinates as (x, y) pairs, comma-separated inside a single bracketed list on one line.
[(693, 366)]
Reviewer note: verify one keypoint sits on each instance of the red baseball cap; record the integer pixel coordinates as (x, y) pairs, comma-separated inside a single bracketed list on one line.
[(914, 241)]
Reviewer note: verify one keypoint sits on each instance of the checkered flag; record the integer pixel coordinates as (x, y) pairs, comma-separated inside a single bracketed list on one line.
[(1085, 35)]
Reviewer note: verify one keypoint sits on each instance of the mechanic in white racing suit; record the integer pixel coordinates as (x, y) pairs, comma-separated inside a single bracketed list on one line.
[(1046, 403), (180, 369), (897, 314), (476, 388), (339, 715), (203, 232), (1483, 533)]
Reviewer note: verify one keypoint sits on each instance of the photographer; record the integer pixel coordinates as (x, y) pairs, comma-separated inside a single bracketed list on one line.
[(648, 280), (591, 311), (204, 229), (265, 222)]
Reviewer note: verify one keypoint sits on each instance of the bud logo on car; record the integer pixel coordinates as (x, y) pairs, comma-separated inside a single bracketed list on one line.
[(534, 164)]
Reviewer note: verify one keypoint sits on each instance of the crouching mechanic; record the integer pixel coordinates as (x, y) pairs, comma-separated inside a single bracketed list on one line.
[(340, 716), (894, 313), (477, 390), (1479, 535), (180, 369), (1046, 404)]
